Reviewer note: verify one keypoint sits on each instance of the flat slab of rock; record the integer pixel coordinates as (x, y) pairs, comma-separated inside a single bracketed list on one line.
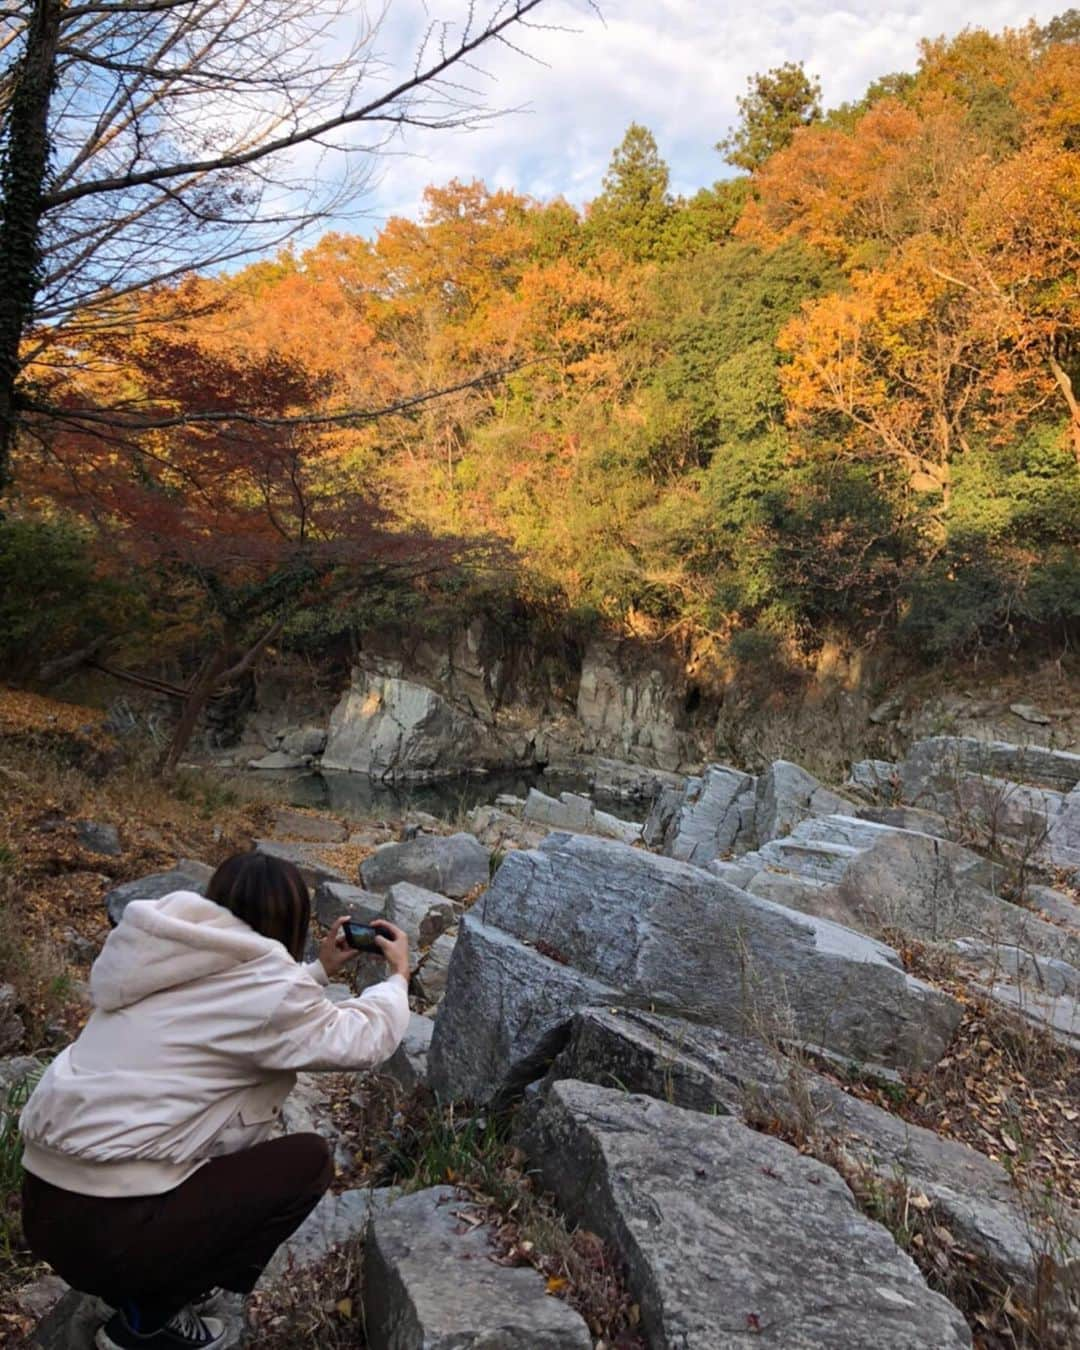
[(303, 856), (423, 914), (187, 875), (452, 865), (731, 1238), (99, 837), (500, 829), (707, 1070), (332, 899), (278, 760), (430, 1284), (290, 824), (673, 936), (933, 764), (1039, 989), (1054, 905)]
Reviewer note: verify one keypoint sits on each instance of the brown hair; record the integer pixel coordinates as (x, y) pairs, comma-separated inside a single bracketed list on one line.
[(269, 894)]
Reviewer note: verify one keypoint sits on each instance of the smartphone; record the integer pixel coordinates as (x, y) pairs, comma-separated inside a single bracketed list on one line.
[(361, 936)]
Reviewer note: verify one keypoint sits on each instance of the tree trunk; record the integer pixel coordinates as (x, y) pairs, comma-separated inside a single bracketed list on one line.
[(24, 166), (199, 694), (215, 674), (1065, 385)]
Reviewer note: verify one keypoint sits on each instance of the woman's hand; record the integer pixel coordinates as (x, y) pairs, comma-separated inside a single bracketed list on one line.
[(394, 946), (334, 952)]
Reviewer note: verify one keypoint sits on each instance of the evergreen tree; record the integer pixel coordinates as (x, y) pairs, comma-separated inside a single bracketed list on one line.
[(775, 105), (634, 210)]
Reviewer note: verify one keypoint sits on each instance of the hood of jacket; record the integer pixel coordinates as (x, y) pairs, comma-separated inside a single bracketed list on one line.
[(160, 944)]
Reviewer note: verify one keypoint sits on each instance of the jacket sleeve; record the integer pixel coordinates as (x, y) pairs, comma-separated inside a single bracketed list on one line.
[(307, 1031)]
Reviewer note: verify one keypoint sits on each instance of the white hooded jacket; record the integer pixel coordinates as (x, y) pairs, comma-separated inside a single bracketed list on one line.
[(200, 1026)]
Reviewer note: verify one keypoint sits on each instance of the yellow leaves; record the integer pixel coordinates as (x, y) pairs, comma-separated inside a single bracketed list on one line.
[(344, 1307), (1050, 96), (832, 187), (556, 1284)]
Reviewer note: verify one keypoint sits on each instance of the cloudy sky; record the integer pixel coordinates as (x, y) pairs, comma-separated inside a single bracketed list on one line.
[(675, 65)]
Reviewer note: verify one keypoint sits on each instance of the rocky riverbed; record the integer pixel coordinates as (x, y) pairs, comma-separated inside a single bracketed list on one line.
[(713, 1031)]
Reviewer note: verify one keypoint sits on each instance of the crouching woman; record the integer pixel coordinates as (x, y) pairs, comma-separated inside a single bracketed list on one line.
[(150, 1178)]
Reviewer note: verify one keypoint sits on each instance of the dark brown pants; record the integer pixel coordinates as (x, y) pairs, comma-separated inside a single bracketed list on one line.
[(159, 1252)]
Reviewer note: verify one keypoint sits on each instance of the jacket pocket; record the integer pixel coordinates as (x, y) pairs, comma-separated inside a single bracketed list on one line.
[(261, 1105)]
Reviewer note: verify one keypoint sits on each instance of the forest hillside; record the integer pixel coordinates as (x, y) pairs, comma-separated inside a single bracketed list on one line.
[(831, 398)]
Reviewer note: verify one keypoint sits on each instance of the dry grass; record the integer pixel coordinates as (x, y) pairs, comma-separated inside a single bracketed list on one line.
[(1005, 1087), (407, 1140), (315, 1309)]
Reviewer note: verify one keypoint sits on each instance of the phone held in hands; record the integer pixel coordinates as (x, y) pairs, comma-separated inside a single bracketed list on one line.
[(361, 936)]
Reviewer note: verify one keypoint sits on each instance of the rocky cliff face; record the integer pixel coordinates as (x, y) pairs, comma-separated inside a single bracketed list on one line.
[(477, 702)]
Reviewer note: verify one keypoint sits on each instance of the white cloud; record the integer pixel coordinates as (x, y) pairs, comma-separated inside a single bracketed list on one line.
[(675, 65)]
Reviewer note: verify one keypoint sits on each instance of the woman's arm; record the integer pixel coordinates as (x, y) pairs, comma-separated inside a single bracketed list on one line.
[(307, 1031)]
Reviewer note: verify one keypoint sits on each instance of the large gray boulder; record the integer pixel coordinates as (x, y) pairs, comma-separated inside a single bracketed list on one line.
[(707, 1070), (389, 727), (430, 1284), (423, 914), (730, 1237), (924, 886), (187, 875), (452, 865), (726, 811), (709, 816), (933, 767), (874, 877), (306, 858), (504, 1016), (1039, 989), (787, 794), (604, 917), (407, 1066), (303, 741), (1026, 796), (332, 899)]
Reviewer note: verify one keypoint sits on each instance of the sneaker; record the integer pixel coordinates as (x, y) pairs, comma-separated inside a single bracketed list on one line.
[(214, 1302), (186, 1331)]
